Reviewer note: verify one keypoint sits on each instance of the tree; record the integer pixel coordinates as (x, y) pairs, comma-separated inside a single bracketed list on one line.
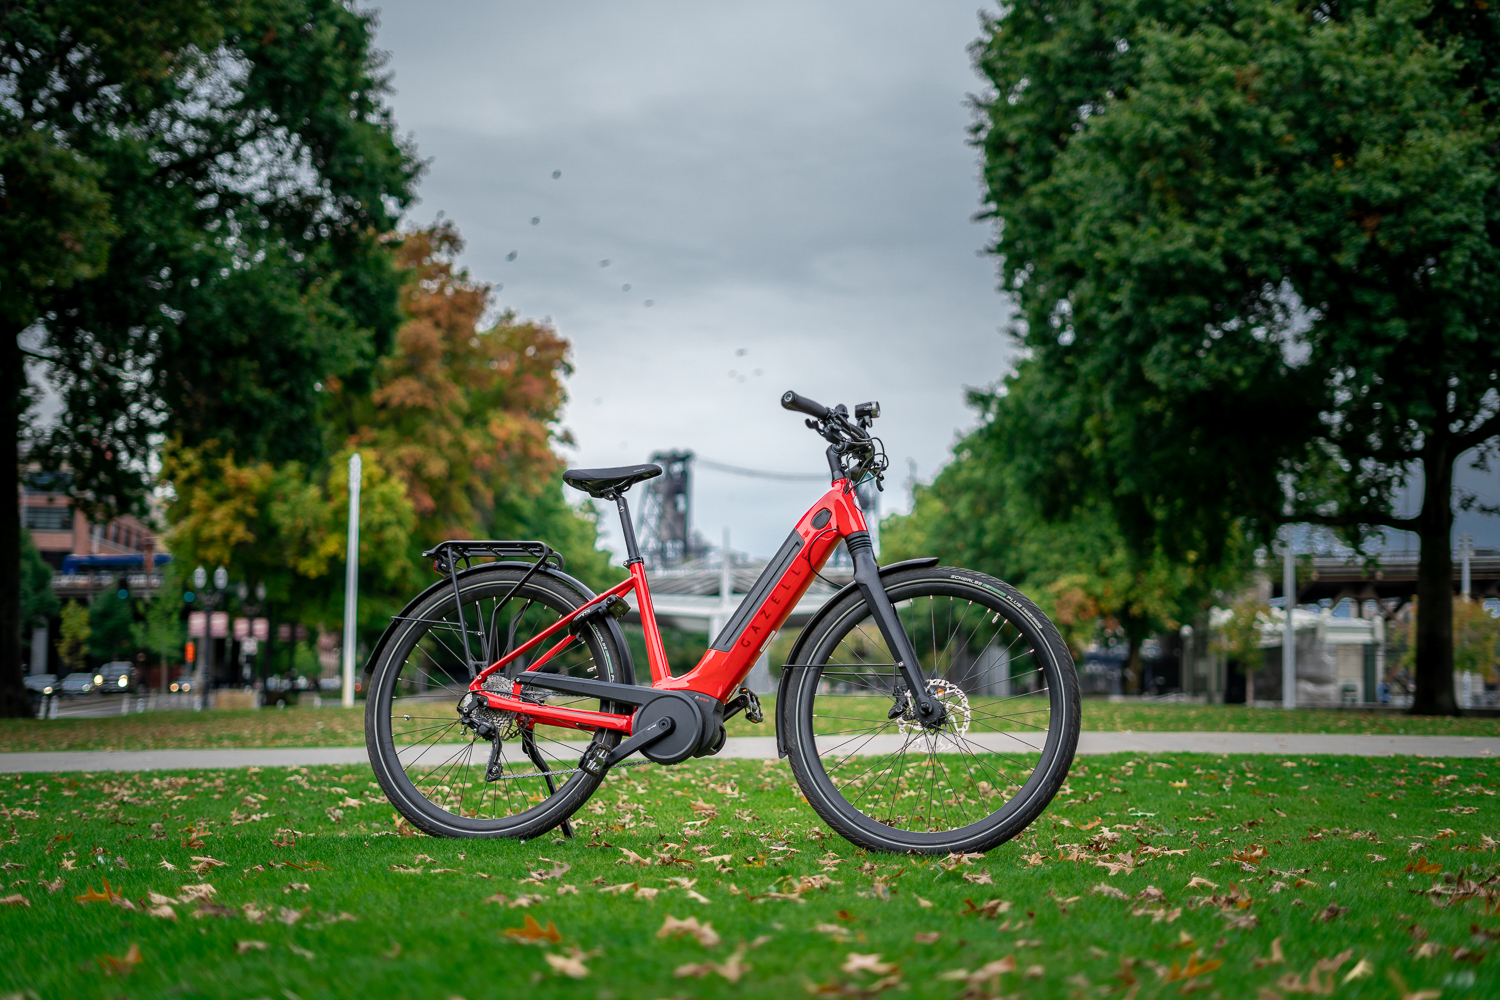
[(194, 203), (73, 637), (162, 630), (455, 433), (38, 601), (1072, 559), (1255, 251), (112, 624)]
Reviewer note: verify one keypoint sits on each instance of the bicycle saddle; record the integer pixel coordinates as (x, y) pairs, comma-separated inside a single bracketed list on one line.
[(609, 483)]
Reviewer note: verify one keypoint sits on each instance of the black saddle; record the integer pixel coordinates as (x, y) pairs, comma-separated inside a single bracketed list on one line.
[(609, 483)]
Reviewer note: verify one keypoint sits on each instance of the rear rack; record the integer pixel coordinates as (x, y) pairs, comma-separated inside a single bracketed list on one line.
[(445, 559), (446, 555)]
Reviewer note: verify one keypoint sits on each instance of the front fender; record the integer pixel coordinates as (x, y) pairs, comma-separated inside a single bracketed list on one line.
[(794, 658)]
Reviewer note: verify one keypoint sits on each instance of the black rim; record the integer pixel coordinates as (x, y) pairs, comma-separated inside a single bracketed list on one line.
[(435, 761), (993, 669)]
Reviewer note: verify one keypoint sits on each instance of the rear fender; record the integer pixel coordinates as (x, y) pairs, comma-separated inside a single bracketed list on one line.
[(784, 686)]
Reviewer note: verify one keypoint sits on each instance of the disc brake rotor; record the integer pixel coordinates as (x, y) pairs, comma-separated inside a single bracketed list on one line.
[(954, 702)]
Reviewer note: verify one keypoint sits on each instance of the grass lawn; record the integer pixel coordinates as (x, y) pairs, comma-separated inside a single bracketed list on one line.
[(1359, 877), (306, 726)]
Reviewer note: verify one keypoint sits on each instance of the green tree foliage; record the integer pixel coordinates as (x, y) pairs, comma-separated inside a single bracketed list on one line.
[(194, 197), (112, 625), (38, 601), (455, 432), (1254, 248), (73, 637), (1074, 561), (161, 630)]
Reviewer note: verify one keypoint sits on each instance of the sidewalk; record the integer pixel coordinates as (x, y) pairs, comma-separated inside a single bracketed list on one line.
[(764, 747)]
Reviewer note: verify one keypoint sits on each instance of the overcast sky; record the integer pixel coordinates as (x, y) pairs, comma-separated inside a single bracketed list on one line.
[(783, 194), (787, 180)]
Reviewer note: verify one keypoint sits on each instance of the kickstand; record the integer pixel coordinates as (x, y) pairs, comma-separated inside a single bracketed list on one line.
[(528, 743)]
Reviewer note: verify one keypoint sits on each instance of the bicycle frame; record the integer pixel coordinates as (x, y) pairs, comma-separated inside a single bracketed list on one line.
[(731, 655)]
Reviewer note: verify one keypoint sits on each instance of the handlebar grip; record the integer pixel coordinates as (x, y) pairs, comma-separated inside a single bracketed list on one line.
[(791, 401)]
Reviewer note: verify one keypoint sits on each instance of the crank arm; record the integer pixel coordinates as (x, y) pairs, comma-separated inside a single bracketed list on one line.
[(596, 761), (867, 576)]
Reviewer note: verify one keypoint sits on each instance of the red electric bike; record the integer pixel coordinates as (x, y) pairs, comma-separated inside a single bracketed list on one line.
[(923, 708)]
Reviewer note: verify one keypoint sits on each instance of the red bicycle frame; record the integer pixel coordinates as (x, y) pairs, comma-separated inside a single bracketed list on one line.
[(731, 655)]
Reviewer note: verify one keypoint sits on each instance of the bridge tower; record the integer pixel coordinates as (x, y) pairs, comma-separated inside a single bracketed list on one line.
[(665, 525)]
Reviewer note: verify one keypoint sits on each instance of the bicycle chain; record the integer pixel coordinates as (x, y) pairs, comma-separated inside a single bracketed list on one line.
[(575, 770)]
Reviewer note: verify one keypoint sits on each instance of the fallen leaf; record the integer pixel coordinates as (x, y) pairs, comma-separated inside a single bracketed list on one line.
[(855, 962), (188, 893), (16, 899), (123, 965), (1193, 968), (531, 932), (979, 878), (301, 951), (243, 947), (1332, 912), (109, 895), (1423, 867), (927, 937), (1362, 970), (570, 964), (1199, 882), (732, 968), (1103, 889), (690, 927), (1407, 994), (632, 858)]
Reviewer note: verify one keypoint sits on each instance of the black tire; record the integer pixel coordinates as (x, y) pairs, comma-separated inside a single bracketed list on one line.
[(422, 669), (979, 637)]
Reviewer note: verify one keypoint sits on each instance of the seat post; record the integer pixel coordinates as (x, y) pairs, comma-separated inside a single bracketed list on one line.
[(632, 550)]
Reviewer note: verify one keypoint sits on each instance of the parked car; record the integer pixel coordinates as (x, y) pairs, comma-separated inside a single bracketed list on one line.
[(40, 687), (183, 684), (78, 683), (116, 677)]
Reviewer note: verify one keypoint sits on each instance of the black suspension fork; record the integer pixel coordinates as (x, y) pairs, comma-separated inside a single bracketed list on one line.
[(867, 576)]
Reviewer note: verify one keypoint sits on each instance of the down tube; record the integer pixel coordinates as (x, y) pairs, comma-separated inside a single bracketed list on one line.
[(774, 595)]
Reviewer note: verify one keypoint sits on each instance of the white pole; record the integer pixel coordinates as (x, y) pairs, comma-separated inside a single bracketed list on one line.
[(1466, 549), (351, 579), (1289, 633)]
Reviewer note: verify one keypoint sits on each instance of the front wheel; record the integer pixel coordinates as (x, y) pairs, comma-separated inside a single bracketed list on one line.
[(885, 781)]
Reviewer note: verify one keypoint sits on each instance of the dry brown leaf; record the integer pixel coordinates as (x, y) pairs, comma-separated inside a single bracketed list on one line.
[(927, 937), (632, 858), (243, 947), (1199, 882), (690, 927), (979, 878), (571, 964), (1193, 968), (15, 899), (855, 962), (1423, 867), (109, 895), (531, 932), (124, 964), (203, 891), (1407, 994)]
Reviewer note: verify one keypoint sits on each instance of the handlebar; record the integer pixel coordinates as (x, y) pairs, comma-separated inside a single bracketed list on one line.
[(791, 401)]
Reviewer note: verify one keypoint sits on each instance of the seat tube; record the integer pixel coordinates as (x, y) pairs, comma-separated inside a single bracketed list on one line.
[(656, 653)]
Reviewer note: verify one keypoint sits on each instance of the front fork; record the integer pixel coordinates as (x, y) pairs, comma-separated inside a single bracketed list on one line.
[(930, 712)]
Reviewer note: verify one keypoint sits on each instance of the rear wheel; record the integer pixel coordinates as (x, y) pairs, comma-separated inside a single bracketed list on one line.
[(433, 766), (880, 778)]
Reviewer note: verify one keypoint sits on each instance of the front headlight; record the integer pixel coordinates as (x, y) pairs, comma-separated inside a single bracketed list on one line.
[(87, 688), (46, 690), (99, 679), (187, 687), (123, 681)]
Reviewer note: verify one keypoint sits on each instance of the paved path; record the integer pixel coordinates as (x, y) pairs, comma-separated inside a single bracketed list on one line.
[(762, 747)]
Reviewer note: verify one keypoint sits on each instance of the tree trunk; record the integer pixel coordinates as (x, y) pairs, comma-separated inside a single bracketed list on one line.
[(1434, 639), (1133, 668), (14, 701)]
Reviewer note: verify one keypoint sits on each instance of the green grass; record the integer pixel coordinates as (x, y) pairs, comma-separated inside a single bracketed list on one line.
[(1325, 823), (307, 726)]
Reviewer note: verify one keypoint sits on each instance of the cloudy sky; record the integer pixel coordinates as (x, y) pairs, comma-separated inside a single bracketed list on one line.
[(717, 202), (749, 198)]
